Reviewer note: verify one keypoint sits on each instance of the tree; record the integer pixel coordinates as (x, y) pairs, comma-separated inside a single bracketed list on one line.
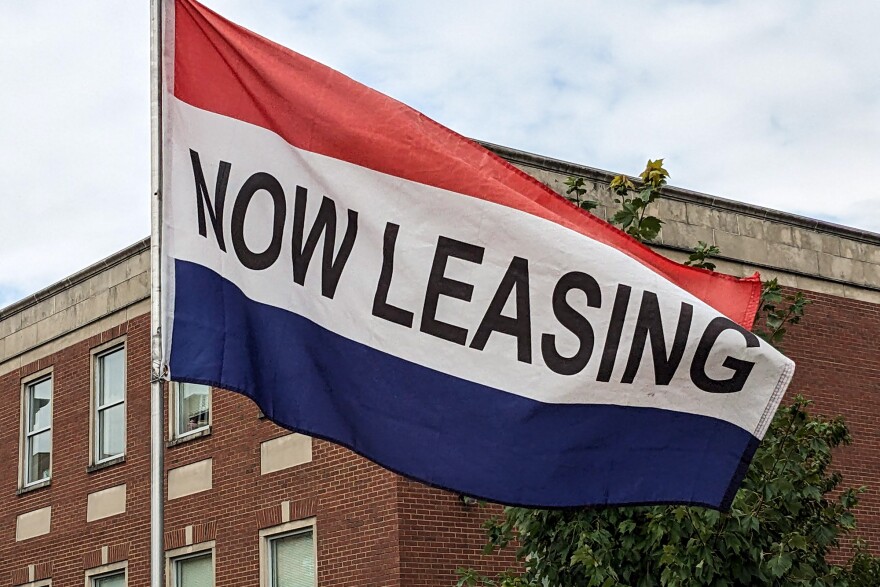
[(787, 522)]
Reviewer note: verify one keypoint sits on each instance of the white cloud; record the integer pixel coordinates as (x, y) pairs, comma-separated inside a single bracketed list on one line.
[(74, 145), (776, 104)]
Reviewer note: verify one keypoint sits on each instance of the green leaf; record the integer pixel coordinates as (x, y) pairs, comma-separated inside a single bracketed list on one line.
[(701, 252), (589, 204), (575, 186), (649, 227), (623, 217), (779, 564), (796, 541)]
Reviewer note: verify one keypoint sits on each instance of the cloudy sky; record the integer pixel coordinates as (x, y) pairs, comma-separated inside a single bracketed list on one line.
[(773, 103)]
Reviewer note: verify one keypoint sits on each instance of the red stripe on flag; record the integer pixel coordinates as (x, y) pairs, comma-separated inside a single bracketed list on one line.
[(224, 68)]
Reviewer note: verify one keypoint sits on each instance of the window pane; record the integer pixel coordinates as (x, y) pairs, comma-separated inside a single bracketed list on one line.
[(111, 431), (117, 580), (39, 405), (38, 456), (111, 380), (293, 562), (195, 571), (193, 405)]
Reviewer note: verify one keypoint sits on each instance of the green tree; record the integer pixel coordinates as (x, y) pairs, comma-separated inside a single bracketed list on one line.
[(788, 521)]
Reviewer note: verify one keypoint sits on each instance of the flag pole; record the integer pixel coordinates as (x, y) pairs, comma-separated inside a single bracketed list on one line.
[(157, 412)]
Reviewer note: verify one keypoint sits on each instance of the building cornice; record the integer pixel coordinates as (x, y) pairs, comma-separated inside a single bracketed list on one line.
[(682, 195), (77, 278), (547, 164)]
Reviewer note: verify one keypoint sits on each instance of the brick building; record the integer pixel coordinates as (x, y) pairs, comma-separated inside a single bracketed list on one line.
[(247, 503)]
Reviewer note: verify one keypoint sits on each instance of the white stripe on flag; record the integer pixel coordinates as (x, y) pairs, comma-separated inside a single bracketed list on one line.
[(423, 213)]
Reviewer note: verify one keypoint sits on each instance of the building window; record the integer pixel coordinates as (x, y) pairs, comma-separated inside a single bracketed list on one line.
[(37, 453), (116, 579), (194, 570), (192, 409), (109, 415), (110, 575), (288, 555)]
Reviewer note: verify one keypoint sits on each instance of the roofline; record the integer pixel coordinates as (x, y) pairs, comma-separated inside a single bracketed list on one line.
[(684, 195), (78, 277), (522, 158)]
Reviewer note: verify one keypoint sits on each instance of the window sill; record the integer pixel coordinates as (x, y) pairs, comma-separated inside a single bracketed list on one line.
[(105, 464), (33, 487), (183, 439)]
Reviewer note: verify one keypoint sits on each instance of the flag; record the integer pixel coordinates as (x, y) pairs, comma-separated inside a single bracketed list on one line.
[(370, 277)]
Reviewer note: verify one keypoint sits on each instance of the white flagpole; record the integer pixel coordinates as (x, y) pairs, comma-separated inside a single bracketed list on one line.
[(157, 430)]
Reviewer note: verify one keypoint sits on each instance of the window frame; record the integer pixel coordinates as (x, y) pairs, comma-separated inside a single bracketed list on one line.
[(176, 435), (267, 535), (172, 557), (105, 571), (98, 353), (24, 435)]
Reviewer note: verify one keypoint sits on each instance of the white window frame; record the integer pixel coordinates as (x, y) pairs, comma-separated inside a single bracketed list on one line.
[(178, 554), (269, 534), (25, 436), (98, 353), (174, 412), (106, 570), (40, 583)]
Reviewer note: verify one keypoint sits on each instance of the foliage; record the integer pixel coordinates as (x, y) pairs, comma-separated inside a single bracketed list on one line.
[(864, 568), (576, 192), (632, 216), (777, 311), (700, 255), (789, 515)]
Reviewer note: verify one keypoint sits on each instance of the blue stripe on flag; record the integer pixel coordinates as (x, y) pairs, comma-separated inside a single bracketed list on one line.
[(440, 429)]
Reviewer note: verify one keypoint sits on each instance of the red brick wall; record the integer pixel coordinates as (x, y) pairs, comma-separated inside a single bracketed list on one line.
[(72, 541), (439, 533), (357, 505), (837, 351), (374, 528), (353, 501)]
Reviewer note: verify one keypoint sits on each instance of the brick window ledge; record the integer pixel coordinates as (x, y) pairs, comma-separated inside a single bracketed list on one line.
[(34, 487), (194, 436), (105, 464)]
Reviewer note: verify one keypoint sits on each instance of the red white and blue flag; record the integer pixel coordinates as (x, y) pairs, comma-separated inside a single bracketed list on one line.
[(370, 277)]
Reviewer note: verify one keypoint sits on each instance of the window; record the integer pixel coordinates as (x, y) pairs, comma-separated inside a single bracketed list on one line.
[(37, 449), (109, 401), (116, 579), (110, 575), (192, 409), (194, 570), (291, 560), (288, 555)]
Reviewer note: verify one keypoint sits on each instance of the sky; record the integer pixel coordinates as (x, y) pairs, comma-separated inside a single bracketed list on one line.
[(771, 103)]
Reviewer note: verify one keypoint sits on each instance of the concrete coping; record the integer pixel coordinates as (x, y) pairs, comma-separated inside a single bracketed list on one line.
[(78, 277), (683, 195), (522, 158)]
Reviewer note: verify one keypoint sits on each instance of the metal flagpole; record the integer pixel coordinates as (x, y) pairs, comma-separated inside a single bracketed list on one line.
[(157, 412)]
